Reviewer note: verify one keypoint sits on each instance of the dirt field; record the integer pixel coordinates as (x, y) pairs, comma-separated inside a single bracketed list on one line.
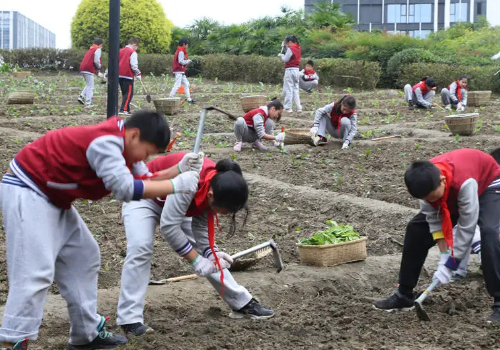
[(292, 194)]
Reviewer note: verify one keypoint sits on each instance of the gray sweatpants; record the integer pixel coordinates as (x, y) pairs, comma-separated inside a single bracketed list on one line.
[(325, 125), (445, 97), (180, 79), (45, 243), (247, 134), (88, 91), (307, 85), (291, 88), (411, 96), (140, 220)]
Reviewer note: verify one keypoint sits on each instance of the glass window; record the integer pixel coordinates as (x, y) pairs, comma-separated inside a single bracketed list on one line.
[(458, 12), (396, 13)]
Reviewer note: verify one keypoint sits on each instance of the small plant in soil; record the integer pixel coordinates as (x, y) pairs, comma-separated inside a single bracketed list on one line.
[(496, 127), (335, 233), (457, 138), (417, 146), (479, 125)]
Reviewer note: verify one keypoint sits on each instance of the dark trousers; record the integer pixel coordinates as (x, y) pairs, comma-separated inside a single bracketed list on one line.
[(418, 240), (127, 87)]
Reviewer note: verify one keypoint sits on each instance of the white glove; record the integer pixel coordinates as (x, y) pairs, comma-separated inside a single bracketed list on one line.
[(346, 144), (460, 107), (496, 57), (443, 274), (139, 77), (225, 260), (278, 144), (191, 162), (100, 75), (280, 137), (280, 55), (203, 267), (186, 182), (313, 131)]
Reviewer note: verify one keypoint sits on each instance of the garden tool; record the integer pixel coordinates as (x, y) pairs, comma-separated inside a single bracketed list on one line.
[(283, 47), (497, 72), (231, 116), (421, 313), (148, 96), (259, 252)]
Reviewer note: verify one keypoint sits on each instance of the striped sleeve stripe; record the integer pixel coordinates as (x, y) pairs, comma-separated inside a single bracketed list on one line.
[(185, 249), (19, 172), (207, 252), (495, 183), (12, 180)]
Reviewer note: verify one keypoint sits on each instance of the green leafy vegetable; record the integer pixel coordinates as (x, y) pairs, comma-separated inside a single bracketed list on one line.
[(335, 233)]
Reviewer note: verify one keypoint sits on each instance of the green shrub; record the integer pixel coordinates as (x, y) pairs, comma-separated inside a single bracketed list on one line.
[(48, 59), (405, 57)]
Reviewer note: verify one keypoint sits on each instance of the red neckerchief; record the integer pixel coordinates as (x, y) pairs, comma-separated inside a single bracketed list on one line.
[(200, 199), (183, 49), (94, 47), (447, 225), (459, 91), (309, 72)]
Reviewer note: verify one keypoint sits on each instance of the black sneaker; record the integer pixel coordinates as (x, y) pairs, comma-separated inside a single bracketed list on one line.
[(252, 310), (20, 345), (309, 91), (137, 329), (322, 141), (124, 113), (410, 105), (396, 302), (495, 315), (81, 100), (192, 101), (104, 340)]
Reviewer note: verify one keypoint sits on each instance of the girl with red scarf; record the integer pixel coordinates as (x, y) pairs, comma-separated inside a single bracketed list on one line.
[(420, 95), (187, 222), (460, 188), (455, 96), (181, 61), (292, 75), (339, 119), (90, 66)]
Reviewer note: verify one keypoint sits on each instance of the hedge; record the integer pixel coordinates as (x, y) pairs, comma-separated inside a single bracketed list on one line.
[(251, 69)]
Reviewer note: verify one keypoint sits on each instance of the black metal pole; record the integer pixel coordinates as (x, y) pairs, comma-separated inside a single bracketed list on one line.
[(114, 53)]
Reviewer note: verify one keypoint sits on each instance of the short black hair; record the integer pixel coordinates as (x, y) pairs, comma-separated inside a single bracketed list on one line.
[(183, 41), (133, 41), (429, 82), (310, 62), (421, 178), (496, 154), (153, 127), (98, 41), (462, 77)]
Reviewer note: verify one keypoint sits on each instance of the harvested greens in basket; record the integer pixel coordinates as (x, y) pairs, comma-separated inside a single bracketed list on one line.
[(335, 233)]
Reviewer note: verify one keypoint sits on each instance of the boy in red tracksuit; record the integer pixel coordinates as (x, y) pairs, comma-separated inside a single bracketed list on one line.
[(47, 239), (128, 69), (457, 188), (91, 65), (181, 61)]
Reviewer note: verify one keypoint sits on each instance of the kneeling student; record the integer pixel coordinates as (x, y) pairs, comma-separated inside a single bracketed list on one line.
[(420, 95), (455, 96)]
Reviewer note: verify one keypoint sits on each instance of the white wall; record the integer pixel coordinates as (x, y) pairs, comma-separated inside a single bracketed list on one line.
[(493, 12)]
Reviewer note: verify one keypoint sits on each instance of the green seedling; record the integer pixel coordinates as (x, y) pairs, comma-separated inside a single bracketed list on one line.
[(335, 233)]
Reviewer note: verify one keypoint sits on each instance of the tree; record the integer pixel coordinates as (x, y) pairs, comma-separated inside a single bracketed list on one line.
[(142, 19)]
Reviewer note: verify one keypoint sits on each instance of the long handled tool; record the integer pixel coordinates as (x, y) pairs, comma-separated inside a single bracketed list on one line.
[(421, 313), (148, 96), (260, 251)]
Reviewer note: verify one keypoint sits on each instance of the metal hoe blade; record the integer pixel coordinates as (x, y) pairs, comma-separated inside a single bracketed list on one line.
[(421, 313)]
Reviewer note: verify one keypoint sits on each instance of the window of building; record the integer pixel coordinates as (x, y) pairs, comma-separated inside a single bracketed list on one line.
[(417, 13), (458, 12), (479, 8), (5, 30)]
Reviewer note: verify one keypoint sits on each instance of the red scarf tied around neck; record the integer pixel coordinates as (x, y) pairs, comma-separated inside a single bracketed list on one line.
[(201, 202), (447, 227)]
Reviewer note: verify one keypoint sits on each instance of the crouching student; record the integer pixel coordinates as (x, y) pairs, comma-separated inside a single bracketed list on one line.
[(455, 96), (258, 125), (308, 78), (460, 187), (47, 239), (420, 95), (339, 119)]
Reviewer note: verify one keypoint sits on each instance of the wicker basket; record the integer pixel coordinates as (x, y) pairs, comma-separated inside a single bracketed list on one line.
[(251, 102), (298, 137), (167, 106), (478, 98), (333, 254), (21, 74), (21, 98), (462, 124)]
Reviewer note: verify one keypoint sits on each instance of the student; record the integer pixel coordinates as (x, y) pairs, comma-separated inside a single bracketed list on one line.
[(128, 69), (421, 94), (47, 239), (308, 78), (456, 94), (91, 65), (181, 61), (460, 187), (292, 74), (339, 119), (258, 125), (186, 226)]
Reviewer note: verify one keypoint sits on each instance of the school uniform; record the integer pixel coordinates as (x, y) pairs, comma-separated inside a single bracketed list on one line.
[(454, 94), (253, 125), (340, 126), (181, 60), (419, 95), (128, 69), (472, 197), (309, 79), (47, 239), (89, 66), (292, 77)]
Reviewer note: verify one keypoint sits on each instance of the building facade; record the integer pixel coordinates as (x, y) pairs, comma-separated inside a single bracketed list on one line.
[(19, 32), (416, 18)]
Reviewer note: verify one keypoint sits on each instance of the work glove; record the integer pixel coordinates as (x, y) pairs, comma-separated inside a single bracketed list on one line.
[(225, 259), (100, 75), (280, 137), (443, 273), (139, 77), (280, 55), (496, 57), (203, 267), (460, 107), (188, 62), (191, 162), (186, 182), (346, 144), (313, 131)]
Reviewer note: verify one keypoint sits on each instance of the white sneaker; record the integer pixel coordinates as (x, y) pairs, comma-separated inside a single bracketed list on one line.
[(289, 110), (237, 146), (299, 110)]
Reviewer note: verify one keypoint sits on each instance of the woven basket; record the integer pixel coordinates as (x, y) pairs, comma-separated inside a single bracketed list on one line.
[(297, 137), (478, 98), (333, 254), (462, 124), (21, 74), (251, 102), (167, 106), (21, 98)]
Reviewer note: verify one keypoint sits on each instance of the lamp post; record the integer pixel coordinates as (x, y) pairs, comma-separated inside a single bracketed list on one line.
[(114, 53)]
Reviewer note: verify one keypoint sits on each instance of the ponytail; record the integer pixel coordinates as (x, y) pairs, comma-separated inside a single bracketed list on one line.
[(424, 79), (347, 100), (276, 104)]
